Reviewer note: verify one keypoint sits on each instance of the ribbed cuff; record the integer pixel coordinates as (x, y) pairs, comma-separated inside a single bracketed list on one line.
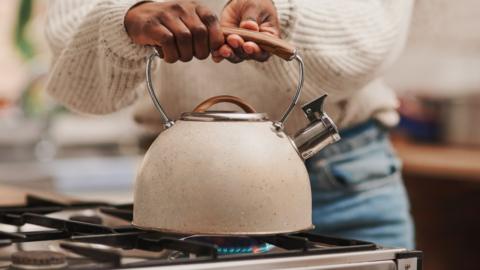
[(286, 10), (114, 37)]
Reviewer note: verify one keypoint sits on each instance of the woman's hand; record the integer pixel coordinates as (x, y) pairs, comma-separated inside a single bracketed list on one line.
[(256, 15), (182, 29)]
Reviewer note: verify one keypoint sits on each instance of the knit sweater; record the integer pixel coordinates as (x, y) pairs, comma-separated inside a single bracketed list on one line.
[(346, 45)]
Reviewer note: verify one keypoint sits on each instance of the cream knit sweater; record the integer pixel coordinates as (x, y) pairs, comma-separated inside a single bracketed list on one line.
[(346, 44)]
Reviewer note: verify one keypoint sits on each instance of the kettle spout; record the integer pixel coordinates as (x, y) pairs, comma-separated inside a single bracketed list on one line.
[(320, 132)]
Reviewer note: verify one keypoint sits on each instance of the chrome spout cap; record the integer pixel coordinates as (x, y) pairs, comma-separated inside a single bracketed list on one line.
[(320, 132)]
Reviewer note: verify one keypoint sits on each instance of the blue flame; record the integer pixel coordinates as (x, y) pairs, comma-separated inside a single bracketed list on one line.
[(245, 250)]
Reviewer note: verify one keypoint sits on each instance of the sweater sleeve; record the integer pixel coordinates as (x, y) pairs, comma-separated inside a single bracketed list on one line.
[(345, 43), (96, 67)]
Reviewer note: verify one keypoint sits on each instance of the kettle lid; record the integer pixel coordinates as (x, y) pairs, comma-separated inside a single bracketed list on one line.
[(201, 112), (212, 116)]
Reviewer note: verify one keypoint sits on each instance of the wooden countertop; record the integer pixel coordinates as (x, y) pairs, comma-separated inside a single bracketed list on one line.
[(17, 196), (439, 161)]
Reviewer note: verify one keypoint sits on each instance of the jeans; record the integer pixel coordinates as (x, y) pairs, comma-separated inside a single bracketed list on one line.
[(357, 189)]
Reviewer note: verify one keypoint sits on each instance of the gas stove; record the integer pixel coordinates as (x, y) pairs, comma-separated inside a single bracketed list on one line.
[(45, 234)]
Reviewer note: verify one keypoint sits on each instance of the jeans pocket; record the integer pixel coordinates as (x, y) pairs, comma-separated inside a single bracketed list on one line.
[(365, 167)]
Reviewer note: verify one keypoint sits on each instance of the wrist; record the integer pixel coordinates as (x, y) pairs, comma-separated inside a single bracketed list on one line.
[(113, 36), (128, 16)]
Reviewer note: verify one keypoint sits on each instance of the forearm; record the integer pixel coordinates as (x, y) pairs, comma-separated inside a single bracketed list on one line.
[(96, 66), (345, 44)]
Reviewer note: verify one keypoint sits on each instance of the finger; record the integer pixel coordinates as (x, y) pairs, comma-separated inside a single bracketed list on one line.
[(270, 30), (225, 51), (216, 56), (249, 19), (261, 56), (162, 37), (183, 38), (215, 33), (251, 48), (200, 37), (160, 51), (235, 59), (217, 59), (255, 52), (236, 43), (250, 25)]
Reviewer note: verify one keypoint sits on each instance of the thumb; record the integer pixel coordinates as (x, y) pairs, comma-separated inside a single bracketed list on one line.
[(249, 19)]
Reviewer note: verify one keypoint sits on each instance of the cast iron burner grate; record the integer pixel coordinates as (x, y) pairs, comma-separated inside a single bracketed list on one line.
[(195, 248)]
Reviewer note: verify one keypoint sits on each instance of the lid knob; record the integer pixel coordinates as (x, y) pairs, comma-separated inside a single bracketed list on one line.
[(204, 106)]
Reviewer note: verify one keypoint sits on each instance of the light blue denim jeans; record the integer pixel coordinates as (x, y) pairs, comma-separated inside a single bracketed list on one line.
[(357, 189)]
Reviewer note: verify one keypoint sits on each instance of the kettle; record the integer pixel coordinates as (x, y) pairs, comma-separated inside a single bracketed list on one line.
[(231, 173)]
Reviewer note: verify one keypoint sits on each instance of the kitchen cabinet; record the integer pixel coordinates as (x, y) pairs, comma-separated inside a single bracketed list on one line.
[(443, 183)]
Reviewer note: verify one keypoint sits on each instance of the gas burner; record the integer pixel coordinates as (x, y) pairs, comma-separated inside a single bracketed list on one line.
[(229, 245), (80, 236), (38, 260)]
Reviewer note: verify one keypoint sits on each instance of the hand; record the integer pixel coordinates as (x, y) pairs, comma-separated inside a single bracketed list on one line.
[(182, 29), (256, 15)]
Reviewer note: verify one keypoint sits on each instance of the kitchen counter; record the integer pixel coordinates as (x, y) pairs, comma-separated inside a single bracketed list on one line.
[(442, 161), (17, 196), (92, 177)]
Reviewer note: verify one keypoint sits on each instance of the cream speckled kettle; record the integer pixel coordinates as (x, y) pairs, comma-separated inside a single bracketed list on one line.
[(230, 173)]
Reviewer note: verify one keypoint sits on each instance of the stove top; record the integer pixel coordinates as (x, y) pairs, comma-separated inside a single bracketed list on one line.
[(43, 234)]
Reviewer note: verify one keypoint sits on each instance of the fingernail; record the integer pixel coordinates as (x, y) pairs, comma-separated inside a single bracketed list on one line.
[(226, 54), (248, 50), (234, 43), (215, 53)]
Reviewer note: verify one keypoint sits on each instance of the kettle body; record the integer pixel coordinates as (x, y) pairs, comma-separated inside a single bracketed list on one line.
[(225, 177)]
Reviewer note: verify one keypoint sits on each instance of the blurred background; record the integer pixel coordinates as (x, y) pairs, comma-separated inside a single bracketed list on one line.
[(45, 147), (42, 145)]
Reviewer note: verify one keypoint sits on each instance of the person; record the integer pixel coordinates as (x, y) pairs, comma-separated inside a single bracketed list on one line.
[(99, 50)]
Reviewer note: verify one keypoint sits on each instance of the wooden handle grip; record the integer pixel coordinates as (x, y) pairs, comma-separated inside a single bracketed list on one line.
[(204, 106), (271, 44)]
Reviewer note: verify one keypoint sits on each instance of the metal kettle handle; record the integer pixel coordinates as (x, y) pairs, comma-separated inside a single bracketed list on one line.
[(271, 44), (167, 123)]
